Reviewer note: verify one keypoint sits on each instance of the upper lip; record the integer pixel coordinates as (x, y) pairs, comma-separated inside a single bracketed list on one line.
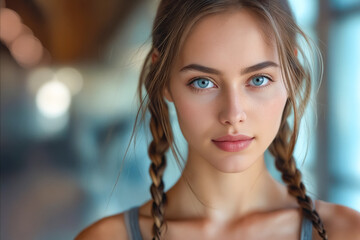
[(233, 138)]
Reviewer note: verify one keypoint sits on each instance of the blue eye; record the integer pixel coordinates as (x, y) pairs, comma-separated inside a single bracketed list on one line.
[(259, 81), (202, 83)]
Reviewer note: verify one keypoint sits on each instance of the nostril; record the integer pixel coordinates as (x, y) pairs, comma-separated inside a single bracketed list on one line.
[(234, 119)]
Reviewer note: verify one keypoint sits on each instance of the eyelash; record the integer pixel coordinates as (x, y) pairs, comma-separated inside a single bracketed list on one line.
[(190, 84)]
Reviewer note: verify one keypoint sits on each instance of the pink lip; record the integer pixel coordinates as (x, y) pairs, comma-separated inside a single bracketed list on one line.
[(230, 143)]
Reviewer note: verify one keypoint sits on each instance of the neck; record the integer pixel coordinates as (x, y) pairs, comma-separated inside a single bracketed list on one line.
[(205, 192)]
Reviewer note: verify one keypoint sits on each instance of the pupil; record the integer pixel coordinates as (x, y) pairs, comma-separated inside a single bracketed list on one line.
[(204, 83), (259, 80)]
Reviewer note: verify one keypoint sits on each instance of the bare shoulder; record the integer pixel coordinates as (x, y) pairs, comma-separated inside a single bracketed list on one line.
[(340, 222), (112, 227)]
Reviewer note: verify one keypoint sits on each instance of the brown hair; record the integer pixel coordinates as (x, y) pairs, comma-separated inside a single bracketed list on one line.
[(173, 21)]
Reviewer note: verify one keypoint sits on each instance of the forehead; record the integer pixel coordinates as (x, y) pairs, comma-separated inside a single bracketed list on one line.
[(228, 39)]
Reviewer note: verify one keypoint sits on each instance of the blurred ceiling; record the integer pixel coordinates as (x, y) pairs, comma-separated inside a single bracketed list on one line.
[(73, 30)]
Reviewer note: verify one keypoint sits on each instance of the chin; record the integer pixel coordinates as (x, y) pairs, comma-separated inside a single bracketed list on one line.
[(233, 164)]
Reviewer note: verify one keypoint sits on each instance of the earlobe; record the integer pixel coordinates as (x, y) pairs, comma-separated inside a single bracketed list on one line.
[(154, 56), (167, 94), (296, 52)]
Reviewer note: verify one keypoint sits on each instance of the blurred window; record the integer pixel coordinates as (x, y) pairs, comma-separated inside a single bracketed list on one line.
[(343, 73)]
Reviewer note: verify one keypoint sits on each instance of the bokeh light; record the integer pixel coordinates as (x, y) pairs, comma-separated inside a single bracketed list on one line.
[(53, 99), (27, 50), (71, 77), (39, 77), (10, 25)]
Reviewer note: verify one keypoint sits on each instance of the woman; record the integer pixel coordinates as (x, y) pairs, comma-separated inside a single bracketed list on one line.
[(231, 69)]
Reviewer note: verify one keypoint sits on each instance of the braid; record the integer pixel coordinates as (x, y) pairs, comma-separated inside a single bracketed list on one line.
[(282, 150), (156, 151)]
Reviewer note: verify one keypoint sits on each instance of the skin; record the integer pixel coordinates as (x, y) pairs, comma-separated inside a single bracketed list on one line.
[(232, 104), (233, 195)]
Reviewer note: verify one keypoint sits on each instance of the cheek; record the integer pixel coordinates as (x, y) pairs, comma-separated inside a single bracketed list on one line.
[(273, 111), (195, 114), (270, 111)]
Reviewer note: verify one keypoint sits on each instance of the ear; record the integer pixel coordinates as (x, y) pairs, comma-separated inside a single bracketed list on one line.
[(167, 94), (296, 52), (154, 56)]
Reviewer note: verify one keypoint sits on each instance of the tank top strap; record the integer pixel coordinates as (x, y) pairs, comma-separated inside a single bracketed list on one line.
[(306, 227), (131, 217)]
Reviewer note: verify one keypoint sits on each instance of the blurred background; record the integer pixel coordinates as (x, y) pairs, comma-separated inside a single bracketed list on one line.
[(69, 72)]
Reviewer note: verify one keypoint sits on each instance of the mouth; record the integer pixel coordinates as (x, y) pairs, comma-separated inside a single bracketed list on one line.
[(233, 143)]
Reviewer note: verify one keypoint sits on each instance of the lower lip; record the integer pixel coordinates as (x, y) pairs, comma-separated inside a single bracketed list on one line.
[(234, 146)]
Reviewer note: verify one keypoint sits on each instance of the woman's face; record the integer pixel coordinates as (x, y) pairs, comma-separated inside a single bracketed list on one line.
[(227, 81)]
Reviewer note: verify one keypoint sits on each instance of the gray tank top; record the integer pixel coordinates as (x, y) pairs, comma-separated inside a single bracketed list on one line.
[(133, 230)]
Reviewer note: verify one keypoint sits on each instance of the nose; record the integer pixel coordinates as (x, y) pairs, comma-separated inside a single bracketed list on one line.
[(233, 108)]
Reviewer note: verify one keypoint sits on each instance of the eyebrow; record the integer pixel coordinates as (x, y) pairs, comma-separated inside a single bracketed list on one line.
[(247, 70)]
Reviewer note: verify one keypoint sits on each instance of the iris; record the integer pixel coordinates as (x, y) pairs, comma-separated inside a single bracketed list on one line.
[(201, 83), (259, 80)]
